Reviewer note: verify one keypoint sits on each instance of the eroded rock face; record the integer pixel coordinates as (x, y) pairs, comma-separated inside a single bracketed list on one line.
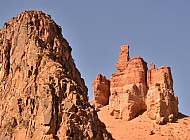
[(128, 90), (160, 75), (162, 104), (135, 88), (123, 58), (42, 94), (101, 88)]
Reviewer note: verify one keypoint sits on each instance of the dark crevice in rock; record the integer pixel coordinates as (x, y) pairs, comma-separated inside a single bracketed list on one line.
[(7, 48)]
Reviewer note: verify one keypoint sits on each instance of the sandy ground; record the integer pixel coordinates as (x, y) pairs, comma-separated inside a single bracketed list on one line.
[(142, 128)]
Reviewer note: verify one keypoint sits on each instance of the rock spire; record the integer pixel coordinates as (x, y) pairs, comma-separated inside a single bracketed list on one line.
[(123, 58)]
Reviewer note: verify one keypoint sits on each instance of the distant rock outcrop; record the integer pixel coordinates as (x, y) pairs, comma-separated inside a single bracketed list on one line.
[(42, 94), (101, 91), (135, 89)]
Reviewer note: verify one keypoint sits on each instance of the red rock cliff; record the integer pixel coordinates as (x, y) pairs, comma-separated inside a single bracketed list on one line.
[(42, 94)]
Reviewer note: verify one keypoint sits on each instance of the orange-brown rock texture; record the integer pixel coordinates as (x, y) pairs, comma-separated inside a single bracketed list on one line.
[(134, 89), (160, 75), (123, 58), (101, 88), (162, 104), (128, 90), (42, 94)]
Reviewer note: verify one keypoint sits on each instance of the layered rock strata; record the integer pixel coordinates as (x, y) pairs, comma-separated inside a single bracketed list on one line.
[(123, 58), (42, 94), (160, 75), (134, 88), (128, 90), (101, 88), (162, 104)]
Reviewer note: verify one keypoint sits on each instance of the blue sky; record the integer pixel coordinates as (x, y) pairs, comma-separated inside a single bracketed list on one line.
[(158, 31)]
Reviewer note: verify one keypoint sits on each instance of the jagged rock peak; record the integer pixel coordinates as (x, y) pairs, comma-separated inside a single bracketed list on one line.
[(42, 94)]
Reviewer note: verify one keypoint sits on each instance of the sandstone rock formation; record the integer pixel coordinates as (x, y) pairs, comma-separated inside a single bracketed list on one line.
[(162, 104), (160, 75), (128, 90), (123, 58), (134, 89), (42, 94), (101, 91)]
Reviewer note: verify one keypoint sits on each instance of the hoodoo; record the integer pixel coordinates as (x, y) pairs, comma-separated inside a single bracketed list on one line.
[(134, 89)]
